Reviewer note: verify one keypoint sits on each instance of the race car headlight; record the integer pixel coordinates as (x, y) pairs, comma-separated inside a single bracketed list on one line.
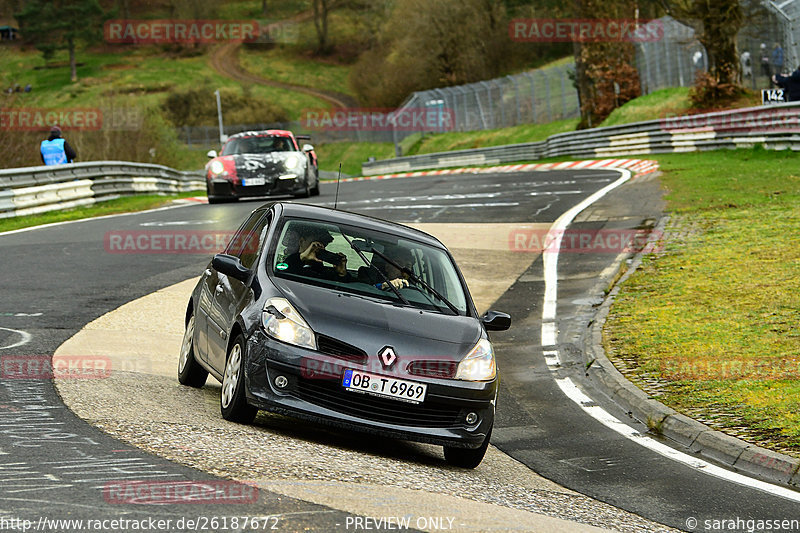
[(284, 323), (479, 363), (216, 167), (291, 162)]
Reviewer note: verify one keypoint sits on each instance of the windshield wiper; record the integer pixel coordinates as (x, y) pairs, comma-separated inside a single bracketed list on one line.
[(417, 280), (371, 266)]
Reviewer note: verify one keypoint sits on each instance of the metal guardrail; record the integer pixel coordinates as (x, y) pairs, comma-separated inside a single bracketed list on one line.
[(33, 190), (775, 127)]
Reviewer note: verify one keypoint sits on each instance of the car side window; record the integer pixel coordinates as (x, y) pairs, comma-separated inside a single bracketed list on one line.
[(247, 241)]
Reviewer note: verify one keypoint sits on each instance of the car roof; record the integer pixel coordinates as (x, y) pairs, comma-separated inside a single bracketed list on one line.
[(262, 133), (335, 216)]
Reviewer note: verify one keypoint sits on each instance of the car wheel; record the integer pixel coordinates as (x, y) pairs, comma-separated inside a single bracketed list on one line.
[(467, 457), (304, 194), (315, 188), (232, 400), (220, 199), (189, 370)]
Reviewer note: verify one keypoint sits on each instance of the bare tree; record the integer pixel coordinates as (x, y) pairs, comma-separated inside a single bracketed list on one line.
[(321, 24)]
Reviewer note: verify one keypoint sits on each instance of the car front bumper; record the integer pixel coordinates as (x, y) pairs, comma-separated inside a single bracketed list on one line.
[(272, 187), (309, 395)]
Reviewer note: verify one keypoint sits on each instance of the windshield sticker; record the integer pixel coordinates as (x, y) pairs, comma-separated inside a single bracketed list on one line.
[(281, 266)]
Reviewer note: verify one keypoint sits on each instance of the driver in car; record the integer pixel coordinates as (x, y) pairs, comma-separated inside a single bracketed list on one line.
[(397, 278)]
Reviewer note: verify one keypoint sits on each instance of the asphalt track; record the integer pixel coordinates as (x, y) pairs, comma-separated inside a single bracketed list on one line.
[(57, 279)]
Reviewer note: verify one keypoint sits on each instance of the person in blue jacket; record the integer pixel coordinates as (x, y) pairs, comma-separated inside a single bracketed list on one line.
[(55, 150)]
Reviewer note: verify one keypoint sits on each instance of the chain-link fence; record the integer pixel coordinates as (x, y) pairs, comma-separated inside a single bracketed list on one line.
[(537, 96), (207, 137), (767, 44)]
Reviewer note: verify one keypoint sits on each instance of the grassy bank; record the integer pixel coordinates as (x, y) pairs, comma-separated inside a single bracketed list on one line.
[(708, 326), (111, 207)]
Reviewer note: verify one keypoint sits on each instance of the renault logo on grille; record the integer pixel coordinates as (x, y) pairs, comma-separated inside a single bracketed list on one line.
[(388, 357)]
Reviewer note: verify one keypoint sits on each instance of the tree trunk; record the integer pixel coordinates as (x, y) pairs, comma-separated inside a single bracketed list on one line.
[(321, 24), (264, 8), (73, 66)]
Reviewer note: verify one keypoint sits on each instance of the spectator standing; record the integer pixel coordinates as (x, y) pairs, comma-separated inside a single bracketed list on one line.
[(790, 83), (55, 150), (747, 65), (764, 56), (777, 59)]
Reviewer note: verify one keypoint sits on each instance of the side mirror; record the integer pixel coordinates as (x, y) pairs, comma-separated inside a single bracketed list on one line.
[(212, 154), (230, 266), (496, 321), (308, 148)]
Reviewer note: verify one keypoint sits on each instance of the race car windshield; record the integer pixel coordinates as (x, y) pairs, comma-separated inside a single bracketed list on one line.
[(258, 145), (431, 281)]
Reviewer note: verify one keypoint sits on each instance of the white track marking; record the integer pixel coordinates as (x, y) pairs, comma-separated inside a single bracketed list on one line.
[(589, 406), (53, 224), (26, 338), (611, 422)]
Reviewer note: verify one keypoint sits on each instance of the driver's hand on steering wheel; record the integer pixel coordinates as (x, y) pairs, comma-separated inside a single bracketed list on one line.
[(398, 283)]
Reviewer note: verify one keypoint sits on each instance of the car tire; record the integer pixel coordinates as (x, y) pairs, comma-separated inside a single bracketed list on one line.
[(220, 200), (315, 188), (305, 193), (190, 372), (232, 398), (467, 457)]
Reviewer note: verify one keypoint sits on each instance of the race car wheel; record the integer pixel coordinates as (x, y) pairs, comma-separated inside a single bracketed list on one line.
[(190, 372), (232, 400), (304, 194)]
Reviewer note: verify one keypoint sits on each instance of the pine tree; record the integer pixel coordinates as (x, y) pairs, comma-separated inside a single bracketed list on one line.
[(61, 25)]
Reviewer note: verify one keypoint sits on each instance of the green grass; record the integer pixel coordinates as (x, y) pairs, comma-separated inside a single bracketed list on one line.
[(714, 318), (351, 155), (286, 65), (666, 103), (145, 74), (658, 104), (444, 142), (120, 205)]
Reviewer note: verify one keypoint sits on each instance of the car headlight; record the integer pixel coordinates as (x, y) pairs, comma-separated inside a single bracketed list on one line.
[(285, 324), (291, 162), (479, 363), (216, 167)]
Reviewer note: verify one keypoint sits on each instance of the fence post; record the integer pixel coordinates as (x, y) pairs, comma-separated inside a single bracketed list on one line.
[(532, 81), (547, 97)]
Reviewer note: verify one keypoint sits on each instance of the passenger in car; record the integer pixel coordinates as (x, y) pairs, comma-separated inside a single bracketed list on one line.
[(310, 256)]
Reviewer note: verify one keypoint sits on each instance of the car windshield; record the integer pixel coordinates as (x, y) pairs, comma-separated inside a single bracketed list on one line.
[(258, 145), (430, 280)]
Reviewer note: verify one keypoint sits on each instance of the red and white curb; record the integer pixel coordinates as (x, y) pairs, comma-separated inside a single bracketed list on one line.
[(192, 200), (637, 166)]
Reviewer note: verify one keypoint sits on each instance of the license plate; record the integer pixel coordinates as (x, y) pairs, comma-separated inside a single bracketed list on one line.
[(254, 181), (386, 387)]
